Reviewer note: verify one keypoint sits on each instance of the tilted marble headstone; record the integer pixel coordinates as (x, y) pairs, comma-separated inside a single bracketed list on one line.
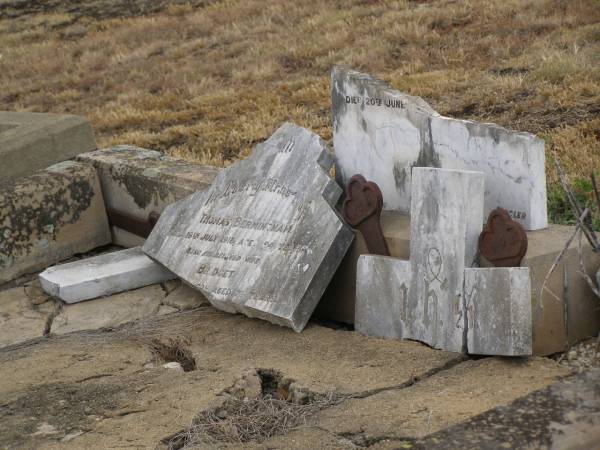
[(446, 211), (498, 303), (382, 134), (264, 240)]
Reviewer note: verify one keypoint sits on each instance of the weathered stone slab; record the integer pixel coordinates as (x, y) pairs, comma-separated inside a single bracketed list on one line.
[(109, 312), (137, 182), (32, 141), (265, 239), (498, 302), (381, 134), (446, 212), (50, 216), (103, 275), (382, 296)]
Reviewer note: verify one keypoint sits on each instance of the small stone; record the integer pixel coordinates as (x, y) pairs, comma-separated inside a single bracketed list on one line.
[(69, 437), (571, 355), (173, 366), (45, 429)]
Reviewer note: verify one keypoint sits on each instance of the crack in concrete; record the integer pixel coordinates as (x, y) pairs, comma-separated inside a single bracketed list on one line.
[(412, 381)]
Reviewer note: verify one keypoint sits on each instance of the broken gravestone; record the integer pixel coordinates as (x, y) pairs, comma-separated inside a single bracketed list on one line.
[(382, 134), (102, 275), (446, 213), (264, 240), (436, 297)]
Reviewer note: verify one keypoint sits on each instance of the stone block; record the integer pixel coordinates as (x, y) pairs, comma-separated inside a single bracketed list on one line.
[(109, 312), (184, 298), (32, 141), (102, 275), (498, 302), (138, 181), (556, 323), (50, 216), (381, 134), (265, 239)]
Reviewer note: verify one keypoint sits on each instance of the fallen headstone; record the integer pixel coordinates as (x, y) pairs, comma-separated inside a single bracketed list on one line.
[(102, 275), (264, 240), (32, 141), (382, 134), (50, 216)]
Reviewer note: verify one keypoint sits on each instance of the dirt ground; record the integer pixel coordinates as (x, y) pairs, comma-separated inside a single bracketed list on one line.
[(107, 389)]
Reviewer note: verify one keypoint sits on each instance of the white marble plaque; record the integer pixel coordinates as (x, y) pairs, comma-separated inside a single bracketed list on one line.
[(382, 134), (498, 303), (264, 240)]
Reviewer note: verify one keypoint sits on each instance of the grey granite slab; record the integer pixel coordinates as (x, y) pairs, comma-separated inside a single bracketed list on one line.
[(382, 134), (498, 302), (264, 240)]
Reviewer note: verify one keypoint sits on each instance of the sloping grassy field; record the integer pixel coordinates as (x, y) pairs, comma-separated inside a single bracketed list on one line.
[(206, 80)]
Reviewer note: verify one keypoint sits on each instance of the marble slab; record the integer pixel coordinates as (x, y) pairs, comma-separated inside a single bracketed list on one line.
[(498, 303), (382, 134), (382, 284), (446, 211), (102, 275), (264, 240)]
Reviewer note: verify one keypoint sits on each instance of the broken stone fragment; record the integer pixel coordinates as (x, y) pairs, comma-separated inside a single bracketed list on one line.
[(50, 216), (103, 275), (382, 134)]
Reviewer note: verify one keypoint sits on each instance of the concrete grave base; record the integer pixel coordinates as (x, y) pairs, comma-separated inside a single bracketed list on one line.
[(50, 216), (556, 324), (32, 141)]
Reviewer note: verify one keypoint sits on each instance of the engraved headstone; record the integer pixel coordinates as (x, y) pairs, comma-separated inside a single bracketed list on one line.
[(382, 134), (498, 304), (446, 211), (264, 240)]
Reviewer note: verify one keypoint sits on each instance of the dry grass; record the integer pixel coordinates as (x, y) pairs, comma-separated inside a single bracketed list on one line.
[(205, 80), (255, 420)]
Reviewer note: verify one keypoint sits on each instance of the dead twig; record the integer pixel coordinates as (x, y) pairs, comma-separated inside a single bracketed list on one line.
[(583, 271), (559, 258)]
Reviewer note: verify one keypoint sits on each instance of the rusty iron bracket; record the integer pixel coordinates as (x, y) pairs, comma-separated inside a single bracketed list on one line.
[(503, 241), (362, 210), (132, 224)]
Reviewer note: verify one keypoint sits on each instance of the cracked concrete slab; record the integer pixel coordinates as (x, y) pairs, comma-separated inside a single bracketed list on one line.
[(146, 402), (23, 315), (109, 312), (439, 401)]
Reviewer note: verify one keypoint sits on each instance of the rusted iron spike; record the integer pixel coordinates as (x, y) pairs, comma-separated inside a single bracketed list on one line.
[(503, 241), (132, 224), (362, 210)]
